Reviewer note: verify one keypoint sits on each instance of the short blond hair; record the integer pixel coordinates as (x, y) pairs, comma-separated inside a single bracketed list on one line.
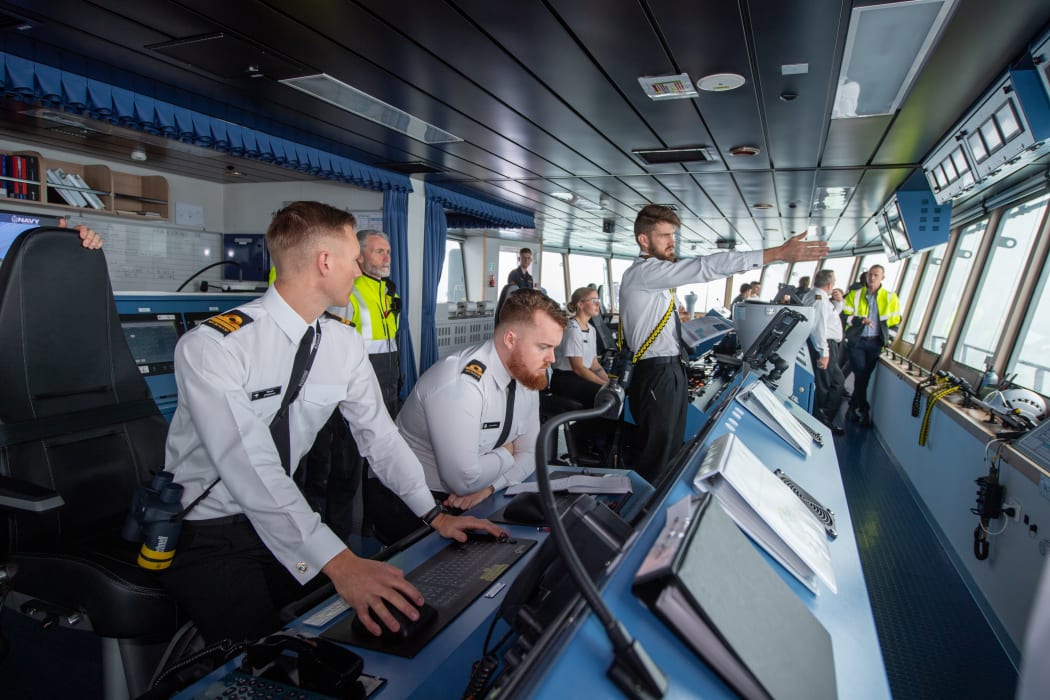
[(301, 224)]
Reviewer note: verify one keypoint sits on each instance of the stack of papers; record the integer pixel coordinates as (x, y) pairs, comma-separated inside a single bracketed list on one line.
[(767, 510), (578, 483), (770, 409)]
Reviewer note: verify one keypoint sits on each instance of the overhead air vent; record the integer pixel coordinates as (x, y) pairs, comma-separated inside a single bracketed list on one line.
[(229, 57), (8, 21), (698, 154), (415, 167)]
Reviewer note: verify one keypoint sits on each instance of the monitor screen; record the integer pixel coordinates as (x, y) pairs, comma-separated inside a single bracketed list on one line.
[(13, 223), (152, 338)]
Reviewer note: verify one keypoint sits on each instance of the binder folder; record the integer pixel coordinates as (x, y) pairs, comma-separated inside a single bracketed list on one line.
[(707, 582), (760, 400), (767, 510)]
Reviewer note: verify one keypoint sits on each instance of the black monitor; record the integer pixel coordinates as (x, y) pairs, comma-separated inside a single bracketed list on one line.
[(768, 342), (152, 338), (14, 223)]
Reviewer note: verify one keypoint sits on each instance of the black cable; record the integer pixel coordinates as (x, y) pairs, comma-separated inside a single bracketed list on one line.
[(632, 670), (208, 267)]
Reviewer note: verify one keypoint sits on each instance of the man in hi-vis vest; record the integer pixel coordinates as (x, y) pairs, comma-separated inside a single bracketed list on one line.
[(374, 310)]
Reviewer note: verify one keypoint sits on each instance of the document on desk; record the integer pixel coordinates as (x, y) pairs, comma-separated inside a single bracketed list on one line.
[(578, 483), (769, 408), (767, 510), (710, 586)]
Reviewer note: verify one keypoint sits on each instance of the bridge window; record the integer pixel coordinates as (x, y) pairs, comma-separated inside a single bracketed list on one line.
[(589, 269), (453, 283), (911, 273), (843, 268), (772, 277), (1002, 273), (619, 266), (959, 269), (552, 275), (922, 297), (1031, 358), (800, 270)]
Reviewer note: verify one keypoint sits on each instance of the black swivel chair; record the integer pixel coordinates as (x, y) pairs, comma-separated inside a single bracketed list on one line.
[(78, 433)]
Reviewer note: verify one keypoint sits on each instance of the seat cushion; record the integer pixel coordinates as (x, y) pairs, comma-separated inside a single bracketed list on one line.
[(104, 582)]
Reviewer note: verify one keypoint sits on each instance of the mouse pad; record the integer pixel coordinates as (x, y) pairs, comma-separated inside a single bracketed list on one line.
[(450, 581)]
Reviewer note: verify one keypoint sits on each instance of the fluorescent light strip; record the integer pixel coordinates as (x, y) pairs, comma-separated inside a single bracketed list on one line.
[(337, 93)]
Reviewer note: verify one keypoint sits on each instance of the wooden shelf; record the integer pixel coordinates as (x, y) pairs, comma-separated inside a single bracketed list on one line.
[(116, 192)]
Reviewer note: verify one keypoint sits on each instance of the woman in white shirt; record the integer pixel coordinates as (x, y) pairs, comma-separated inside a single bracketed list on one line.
[(577, 373)]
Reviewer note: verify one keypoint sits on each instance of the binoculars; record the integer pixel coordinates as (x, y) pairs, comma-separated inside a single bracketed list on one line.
[(154, 521)]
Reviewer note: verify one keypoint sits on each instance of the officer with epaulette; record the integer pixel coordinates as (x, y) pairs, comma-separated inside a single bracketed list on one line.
[(473, 418), (255, 386), (824, 347)]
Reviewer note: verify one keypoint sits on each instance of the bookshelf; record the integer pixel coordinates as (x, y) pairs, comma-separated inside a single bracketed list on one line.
[(26, 176)]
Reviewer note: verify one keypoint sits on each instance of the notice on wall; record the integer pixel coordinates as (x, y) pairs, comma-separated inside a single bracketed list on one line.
[(150, 258)]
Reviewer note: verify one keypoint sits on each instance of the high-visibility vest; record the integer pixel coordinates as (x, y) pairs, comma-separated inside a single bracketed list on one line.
[(889, 307), (370, 310)]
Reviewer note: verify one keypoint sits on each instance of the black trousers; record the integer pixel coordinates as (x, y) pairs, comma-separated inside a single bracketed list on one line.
[(829, 383), (863, 356), (659, 396), (571, 385), (228, 582), (330, 474)]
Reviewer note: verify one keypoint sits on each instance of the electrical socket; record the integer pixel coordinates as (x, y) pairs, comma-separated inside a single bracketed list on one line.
[(1044, 486), (1018, 510)]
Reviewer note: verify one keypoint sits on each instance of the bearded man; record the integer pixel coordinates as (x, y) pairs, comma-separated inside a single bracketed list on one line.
[(658, 393), (472, 419)]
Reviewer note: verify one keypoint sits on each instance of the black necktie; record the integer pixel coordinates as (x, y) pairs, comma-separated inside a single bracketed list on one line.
[(304, 358), (509, 418)]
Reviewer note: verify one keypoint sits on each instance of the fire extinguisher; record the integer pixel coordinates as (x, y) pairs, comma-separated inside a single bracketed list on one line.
[(492, 280)]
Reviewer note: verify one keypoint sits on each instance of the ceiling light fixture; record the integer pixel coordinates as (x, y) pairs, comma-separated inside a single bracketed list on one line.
[(138, 153), (762, 205), (744, 151), (563, 196), (667, 87), (886, 46), (720, 82), (337, 93)]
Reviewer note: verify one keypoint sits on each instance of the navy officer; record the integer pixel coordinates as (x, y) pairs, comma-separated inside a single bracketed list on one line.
[(250, 541)]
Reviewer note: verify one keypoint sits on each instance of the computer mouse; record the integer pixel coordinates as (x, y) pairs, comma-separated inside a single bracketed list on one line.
[(408, 628)]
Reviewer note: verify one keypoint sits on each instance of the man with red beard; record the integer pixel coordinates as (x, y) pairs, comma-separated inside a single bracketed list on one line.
[(658, 392), (473, 418)]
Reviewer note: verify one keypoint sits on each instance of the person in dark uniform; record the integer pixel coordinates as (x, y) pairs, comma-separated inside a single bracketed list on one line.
[(250, 541), (520, 275), (658, 392)]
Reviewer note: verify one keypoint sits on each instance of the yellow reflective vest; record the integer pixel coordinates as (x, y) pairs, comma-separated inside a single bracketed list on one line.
[(889, 307), (373, 314)]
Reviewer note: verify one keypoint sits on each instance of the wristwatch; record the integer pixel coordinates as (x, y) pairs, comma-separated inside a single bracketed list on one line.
[(429, 517)]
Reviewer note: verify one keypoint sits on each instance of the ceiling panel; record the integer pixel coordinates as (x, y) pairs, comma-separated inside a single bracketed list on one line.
[(545, 96)]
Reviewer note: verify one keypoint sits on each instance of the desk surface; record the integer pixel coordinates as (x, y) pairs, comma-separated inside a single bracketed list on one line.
[(579, 665), (577, 659)]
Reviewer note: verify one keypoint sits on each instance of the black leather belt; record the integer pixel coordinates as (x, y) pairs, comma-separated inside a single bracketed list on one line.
[(211, 522), (665, 360)]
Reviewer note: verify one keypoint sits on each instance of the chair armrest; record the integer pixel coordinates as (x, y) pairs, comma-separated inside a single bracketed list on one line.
[(16, 494)]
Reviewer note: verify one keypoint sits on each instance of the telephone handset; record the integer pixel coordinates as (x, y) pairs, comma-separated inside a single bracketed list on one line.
[(314, 664)]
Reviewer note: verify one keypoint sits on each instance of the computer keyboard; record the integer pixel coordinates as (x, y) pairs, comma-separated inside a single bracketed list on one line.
[(450, 581)]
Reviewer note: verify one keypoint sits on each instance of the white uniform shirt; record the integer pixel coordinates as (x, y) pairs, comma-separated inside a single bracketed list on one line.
[(645, 293), (231, 386), (455, 415), (826, 323), (575, 342)]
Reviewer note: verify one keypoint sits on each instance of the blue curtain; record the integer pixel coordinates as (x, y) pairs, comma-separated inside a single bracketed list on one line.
[(435, 231), (29, 81), (395, 224)]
